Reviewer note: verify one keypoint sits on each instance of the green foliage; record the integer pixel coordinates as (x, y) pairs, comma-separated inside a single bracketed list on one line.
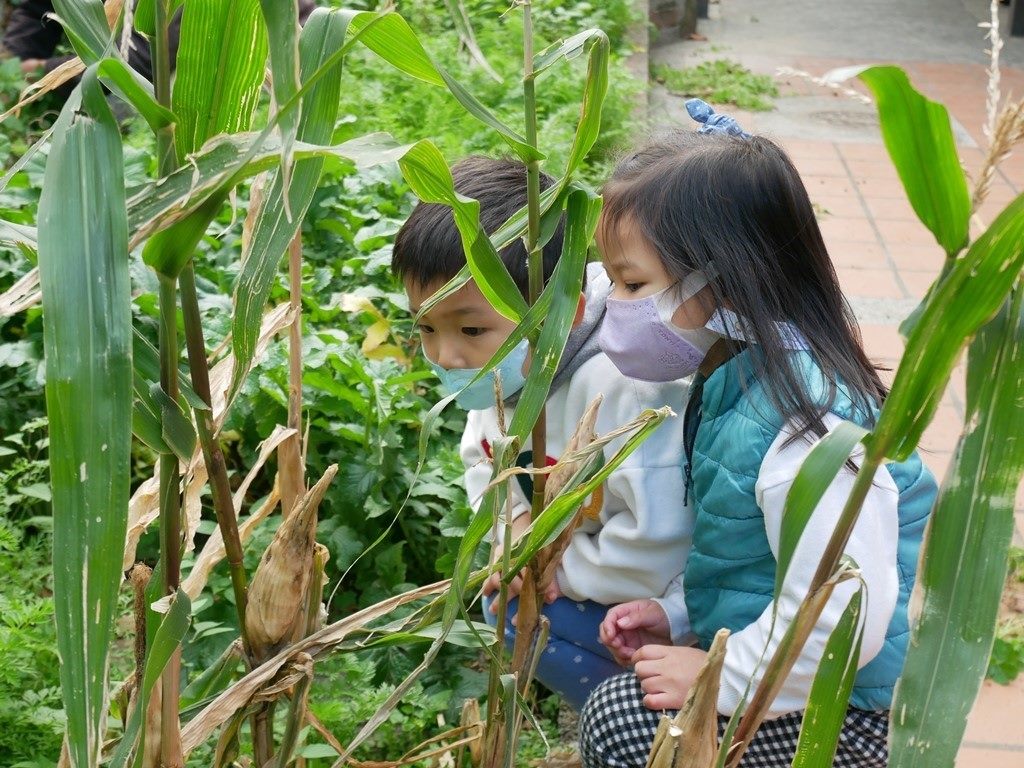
[(1007, 660), (413, 110), (31, 717), (721, 81)]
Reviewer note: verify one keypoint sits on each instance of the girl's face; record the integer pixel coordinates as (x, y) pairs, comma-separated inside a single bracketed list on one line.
[(636, 272)]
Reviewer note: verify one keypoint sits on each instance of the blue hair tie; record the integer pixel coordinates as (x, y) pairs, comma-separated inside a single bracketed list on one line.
[(712, 122)]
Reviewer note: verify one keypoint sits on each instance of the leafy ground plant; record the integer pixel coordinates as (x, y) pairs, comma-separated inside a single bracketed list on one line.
[(721, 81), (1007, 659)]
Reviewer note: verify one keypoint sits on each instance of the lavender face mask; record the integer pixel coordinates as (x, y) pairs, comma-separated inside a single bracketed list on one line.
[(640, 339)]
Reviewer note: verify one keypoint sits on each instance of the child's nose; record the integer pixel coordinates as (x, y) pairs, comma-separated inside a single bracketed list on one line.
[(449, 356)]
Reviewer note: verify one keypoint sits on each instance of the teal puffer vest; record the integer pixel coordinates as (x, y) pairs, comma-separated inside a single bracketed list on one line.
[(730, 573)]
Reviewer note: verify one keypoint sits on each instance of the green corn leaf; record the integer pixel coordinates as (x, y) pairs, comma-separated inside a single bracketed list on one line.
[(146, 363), (219, 70), (83, 248), (968, 297), (169, 250), (427, 173), (165, 640), (964, 560), (920, 141), (324, 32), (596, 42), (144, 19), (177, 430), (146, 415), (830, 692), (215, 678), (134, 89), (567, 282), (86, 25), (283, 20), (223, 162), (817, 472), (394, 41)]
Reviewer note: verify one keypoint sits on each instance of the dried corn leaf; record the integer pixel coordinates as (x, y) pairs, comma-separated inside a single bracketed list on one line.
[(199, 729), (22, 295)]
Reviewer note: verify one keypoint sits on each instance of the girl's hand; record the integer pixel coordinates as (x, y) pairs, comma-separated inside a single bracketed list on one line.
[(629, 626), (667, 673)]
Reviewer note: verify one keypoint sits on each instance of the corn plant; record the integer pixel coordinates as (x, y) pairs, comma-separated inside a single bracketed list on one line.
[(107, 385)]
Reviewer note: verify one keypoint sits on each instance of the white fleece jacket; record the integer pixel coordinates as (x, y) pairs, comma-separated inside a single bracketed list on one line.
[(641, 539)]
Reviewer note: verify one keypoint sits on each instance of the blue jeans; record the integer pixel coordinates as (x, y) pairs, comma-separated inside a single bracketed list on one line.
[(574, 662)]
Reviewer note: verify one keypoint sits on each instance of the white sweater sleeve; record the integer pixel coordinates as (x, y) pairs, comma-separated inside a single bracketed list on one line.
[(478, 467), (645, 530), (673, 603), (872, 546)]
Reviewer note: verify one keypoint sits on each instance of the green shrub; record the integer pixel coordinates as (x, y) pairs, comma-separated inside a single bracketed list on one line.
[(720, 81)]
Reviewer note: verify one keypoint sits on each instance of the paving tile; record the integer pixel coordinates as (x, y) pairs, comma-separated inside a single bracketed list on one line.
[(891, 208), (937, 461), (836, 203), (871, 152), (917, 258), (832, 186), (854, 255), (871, 283), (996, 716), (882, 342), (900, 233), (872, 169), (884, 188), (802, 149), (943, 432), (821, 166), (853, 229), (980, 757), (918, 283)]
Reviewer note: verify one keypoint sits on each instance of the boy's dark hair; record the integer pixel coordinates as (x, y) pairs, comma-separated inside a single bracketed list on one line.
[(738, 209), (428, 246)]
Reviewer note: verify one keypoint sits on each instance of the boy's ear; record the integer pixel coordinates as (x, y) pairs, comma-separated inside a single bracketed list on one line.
[(581, 308)]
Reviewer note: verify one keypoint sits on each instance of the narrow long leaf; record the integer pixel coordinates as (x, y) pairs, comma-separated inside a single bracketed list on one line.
[(227, 159), (427, 173), (165, 641), (919, 138), (324, 32), (829, 697), (963, 566), (566, 281), (966, 299), (816, 474), (219, 71), (86, 24), (282, 24), (83, 233)]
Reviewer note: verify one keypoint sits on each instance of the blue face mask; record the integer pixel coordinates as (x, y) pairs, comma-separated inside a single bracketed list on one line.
[(480, 395)]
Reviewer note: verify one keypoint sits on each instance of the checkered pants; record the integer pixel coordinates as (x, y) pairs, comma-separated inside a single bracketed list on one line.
[(617, 731)]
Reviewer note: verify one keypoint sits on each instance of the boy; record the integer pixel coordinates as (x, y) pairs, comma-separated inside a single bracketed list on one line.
[(638, 536)]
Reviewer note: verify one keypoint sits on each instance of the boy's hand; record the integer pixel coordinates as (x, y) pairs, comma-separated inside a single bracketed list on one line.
[(666, 674), (493, 583), (629, 626)]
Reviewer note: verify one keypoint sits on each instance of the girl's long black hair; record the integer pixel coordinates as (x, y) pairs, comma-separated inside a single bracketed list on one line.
[(738, 207)]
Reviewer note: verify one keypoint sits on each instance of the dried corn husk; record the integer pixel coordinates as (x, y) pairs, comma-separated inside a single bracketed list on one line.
[(690, 739), (278, 590)]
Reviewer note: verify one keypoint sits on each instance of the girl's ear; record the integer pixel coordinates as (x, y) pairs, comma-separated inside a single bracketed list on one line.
[(581, 308)]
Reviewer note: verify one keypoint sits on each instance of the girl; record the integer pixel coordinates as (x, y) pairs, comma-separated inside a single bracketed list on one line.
[(720, 271)]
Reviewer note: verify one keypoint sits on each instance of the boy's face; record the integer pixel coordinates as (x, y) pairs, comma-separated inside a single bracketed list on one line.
[(463, 331)]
